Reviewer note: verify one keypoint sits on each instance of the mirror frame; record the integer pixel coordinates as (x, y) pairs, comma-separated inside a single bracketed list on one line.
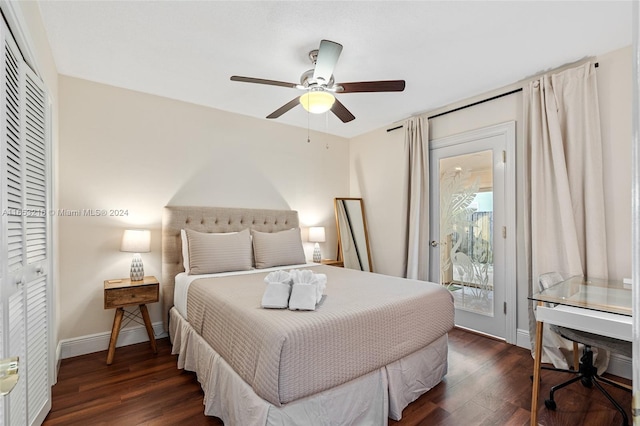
[(364, 222)]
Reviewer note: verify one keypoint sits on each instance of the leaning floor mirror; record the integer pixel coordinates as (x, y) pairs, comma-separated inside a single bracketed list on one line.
[(353, 239)]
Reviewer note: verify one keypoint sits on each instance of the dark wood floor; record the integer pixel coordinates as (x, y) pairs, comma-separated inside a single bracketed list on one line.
[(488, 384)]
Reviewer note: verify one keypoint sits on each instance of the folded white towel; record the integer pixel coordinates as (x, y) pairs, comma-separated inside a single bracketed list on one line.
[(304, 293), (303, 297), (308, 277), (276, 295)]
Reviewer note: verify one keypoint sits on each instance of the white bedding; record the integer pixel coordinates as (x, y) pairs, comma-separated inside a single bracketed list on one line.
[(184, 280), (367, 400)]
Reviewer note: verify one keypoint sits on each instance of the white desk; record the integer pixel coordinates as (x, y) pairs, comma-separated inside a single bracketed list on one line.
[(596, 306), (597, 322)]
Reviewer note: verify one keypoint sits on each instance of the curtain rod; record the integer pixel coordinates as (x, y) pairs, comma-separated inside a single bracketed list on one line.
[(471, 104)]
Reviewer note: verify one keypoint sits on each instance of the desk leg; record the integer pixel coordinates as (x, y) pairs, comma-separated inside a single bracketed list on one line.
[(115, 330), (147, 324), (536, 374)]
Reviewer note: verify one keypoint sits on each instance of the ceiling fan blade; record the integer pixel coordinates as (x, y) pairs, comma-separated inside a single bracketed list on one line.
[(342, 112), (373, 86), (328, 55), (262, 81), (284, 108)]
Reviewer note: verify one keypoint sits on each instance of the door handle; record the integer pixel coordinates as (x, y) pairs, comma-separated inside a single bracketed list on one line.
[(434, 243), (8, 375)]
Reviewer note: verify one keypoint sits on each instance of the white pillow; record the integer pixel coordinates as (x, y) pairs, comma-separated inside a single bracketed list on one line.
[(277, 248), (210, 253)]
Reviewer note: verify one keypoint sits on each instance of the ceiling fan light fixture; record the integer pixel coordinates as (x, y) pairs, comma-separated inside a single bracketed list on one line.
[(319, 84), (317, 101)]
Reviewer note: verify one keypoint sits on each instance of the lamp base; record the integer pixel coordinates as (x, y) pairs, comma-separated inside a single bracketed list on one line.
[(137, 269), (317, 255)]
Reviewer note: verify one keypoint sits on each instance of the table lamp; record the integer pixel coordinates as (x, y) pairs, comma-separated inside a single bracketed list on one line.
[(136, 241), (316, 235)]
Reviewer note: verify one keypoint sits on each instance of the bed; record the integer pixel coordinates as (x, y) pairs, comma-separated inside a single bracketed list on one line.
[(373, 345)]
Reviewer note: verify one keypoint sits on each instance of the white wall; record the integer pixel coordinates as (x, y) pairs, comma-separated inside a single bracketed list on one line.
[(377, 175), (121, 149), (377, 169)]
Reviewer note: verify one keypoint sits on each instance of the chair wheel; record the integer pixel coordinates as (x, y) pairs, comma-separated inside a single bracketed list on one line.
[(586, 382), (550, 404)]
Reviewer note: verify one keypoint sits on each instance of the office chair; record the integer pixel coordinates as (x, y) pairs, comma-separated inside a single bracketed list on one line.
[(586, 372)]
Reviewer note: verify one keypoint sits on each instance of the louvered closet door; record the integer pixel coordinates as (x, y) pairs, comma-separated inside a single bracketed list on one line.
[(25, 292), (13, 222), (36, 297)]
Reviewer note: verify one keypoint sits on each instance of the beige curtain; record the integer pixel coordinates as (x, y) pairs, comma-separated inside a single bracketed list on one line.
[(416, 146), (566, 228)]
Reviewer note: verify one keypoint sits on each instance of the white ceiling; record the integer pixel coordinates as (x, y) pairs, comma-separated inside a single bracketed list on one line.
[(446, 51)]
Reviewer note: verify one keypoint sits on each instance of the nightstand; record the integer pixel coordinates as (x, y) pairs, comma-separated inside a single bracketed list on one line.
[(124, 292), (332, 262)]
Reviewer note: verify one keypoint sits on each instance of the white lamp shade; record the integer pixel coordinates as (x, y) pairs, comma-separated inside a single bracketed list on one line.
[(317, 102), (316, 234), (136, 241)]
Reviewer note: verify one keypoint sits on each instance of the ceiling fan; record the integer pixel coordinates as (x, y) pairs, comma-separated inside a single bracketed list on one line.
[(320, 86)]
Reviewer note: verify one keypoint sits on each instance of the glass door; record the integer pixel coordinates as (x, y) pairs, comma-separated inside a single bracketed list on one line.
[(467, 229)]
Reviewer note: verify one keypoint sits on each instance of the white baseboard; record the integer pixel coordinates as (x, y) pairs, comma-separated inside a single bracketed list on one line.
[(619, 365), (522, 339), (100, 342)]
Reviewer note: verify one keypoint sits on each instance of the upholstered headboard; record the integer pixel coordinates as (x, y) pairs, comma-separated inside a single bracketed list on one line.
[(210, 219)]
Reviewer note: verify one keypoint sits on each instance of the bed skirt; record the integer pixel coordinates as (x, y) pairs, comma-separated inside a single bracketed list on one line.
[(369, 399)]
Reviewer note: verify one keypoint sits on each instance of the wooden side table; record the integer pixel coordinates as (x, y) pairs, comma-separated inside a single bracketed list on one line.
[(332, 262), (124, 292)]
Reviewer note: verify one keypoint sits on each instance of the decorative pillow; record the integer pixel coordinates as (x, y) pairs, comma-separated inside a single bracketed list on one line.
[(185, 248), (277, 248), (212, 253)]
